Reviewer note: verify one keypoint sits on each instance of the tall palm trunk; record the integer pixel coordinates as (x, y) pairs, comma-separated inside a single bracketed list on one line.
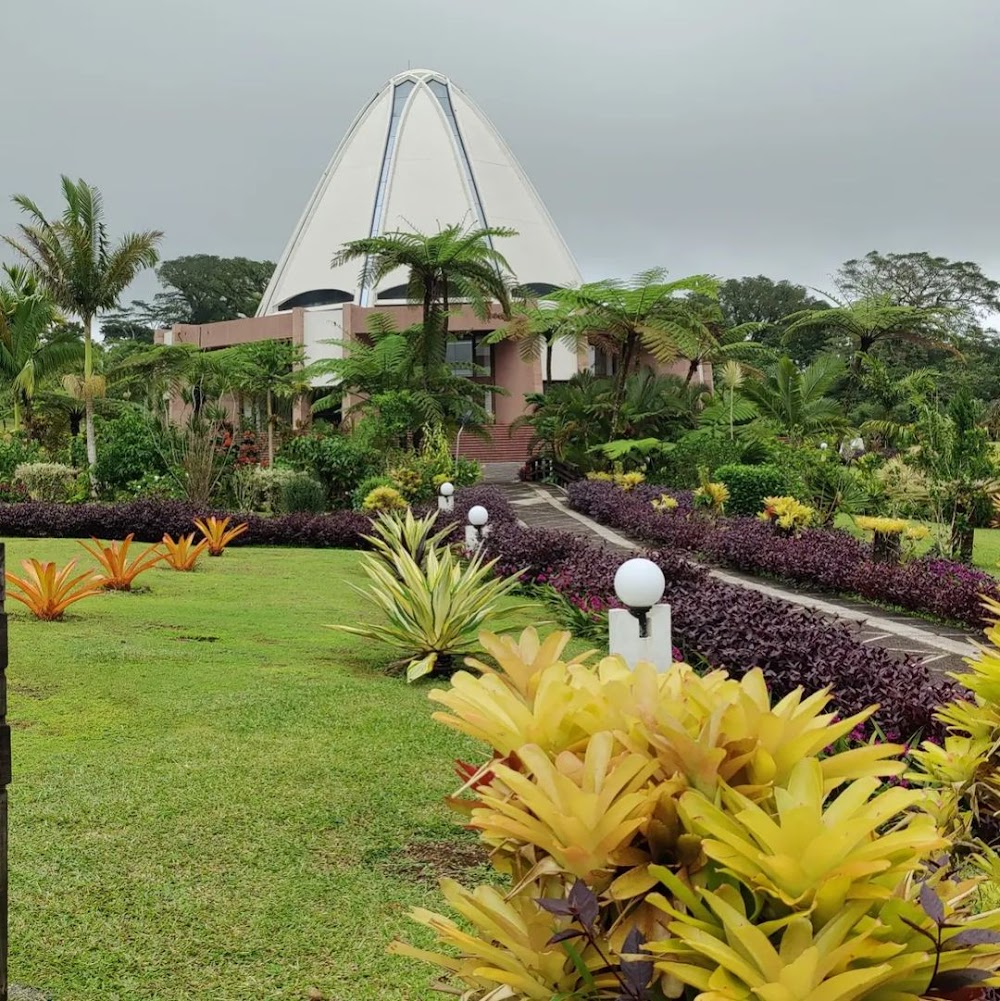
[(621, 380), (17, 410), (89, 325), (270, 430), (548, 364)]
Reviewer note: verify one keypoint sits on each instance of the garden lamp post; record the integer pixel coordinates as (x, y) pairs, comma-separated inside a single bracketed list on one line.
[(641, 630), (4, 775), (476, 530), (446, 497)]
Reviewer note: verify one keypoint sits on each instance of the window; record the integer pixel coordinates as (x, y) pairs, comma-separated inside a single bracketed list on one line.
[(470, 356)]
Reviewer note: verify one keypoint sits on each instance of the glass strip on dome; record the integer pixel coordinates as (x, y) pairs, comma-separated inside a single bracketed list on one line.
[(399, 96), (443, 94)]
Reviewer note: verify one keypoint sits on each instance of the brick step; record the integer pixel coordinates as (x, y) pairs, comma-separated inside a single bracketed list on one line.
[(501, 447)]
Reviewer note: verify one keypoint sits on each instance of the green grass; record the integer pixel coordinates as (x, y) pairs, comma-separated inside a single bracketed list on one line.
[(216, 797), (985, 553)]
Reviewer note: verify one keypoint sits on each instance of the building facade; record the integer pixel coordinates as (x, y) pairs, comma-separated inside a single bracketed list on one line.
[(420, 155)]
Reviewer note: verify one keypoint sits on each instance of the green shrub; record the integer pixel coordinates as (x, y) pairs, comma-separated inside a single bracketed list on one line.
[(46, 481), (128, 448), (15, 450), (302, 493), (366, 486), (269, 483), (749, 485), (466, 472), (679, 466), (339, 461)]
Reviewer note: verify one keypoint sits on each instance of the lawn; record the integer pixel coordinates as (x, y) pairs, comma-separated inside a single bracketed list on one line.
[(216, 797)]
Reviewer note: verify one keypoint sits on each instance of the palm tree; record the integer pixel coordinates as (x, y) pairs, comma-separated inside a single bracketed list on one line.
[(384, 365), (647, 313), (534, 326), (270, 370), (73, 258), (795, 403), (30, 349), (718, 344), (866, 323), (452, 264)]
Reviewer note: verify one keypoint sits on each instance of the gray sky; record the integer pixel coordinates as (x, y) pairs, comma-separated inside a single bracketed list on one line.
[(726, 136)]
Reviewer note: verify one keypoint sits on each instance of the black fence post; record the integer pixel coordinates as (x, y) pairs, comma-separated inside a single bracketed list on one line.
[(5, 774)]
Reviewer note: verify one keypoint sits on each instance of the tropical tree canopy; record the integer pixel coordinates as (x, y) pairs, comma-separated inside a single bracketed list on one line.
[(646, 313), (452, 265), (32, 346), (82, 271), (865, 323)]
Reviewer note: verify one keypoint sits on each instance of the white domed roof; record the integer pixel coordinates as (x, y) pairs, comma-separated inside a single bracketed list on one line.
[(419, 156)]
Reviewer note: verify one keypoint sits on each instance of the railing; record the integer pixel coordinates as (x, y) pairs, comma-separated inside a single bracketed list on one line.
[(546, 469)]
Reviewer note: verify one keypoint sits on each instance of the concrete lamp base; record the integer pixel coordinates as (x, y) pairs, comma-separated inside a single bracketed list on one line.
[(656, 646)]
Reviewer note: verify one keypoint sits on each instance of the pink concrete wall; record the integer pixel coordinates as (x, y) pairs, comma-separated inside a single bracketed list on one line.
[(517, 376)]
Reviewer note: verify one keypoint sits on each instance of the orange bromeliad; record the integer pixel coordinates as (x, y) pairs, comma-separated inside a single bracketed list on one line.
[(48, 591), (216, 534), (182, 553), (117, 573)]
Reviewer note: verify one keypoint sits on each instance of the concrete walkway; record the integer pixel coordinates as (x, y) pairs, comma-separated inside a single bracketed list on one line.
[(941, 647)]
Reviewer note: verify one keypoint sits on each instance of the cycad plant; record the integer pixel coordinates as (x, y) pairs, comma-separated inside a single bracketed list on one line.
[(795, 403), (434, 606)]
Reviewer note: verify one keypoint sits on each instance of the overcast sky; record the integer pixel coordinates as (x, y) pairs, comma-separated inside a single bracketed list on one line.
[(724, 136)]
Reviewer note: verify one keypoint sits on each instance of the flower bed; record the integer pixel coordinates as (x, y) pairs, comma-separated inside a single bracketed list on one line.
[(150, 519), (828, 559), (737, 629)]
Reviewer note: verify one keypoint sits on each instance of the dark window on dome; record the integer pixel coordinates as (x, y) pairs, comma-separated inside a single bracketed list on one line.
[(530, 289), (396, 292), (317, 297)]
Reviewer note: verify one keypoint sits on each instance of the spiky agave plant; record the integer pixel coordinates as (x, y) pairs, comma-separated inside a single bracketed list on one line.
[(48, 591), (434, 610), (217, 533), (117, 572), (182, 553), (402, 533)]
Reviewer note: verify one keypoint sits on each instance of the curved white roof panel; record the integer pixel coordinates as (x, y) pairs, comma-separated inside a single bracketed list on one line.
[(420, 156)]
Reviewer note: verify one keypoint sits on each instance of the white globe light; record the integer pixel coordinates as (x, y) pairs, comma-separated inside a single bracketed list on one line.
[(823, 445), (446, 489), (478, 516), (639, 583)]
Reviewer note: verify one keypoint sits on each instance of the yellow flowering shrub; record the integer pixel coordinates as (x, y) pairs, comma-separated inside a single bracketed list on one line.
[(601, 477), (384, 499), (688, 817), (787, 513)]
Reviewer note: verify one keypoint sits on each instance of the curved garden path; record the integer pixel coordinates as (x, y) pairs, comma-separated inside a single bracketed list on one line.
[(942, 648)]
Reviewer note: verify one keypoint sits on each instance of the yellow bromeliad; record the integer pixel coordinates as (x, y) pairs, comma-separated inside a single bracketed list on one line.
[(665, 503), (884, 526), (654, 790), (787, 513)]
